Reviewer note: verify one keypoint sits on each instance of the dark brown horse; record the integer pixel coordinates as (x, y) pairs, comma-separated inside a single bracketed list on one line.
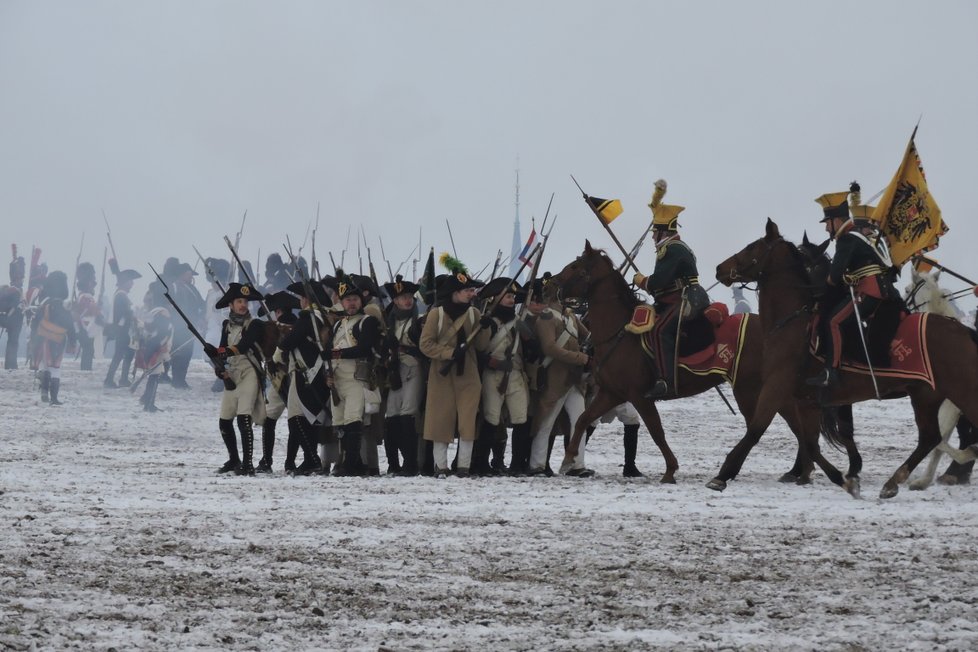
[(783, 274), (624, 373)]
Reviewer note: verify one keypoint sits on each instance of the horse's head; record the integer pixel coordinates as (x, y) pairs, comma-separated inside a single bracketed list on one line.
[(582, 274), (924, 294), (752, 262), (815, 264)]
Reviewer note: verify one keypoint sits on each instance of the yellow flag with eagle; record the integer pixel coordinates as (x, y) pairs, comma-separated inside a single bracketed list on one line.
[(907, 215)]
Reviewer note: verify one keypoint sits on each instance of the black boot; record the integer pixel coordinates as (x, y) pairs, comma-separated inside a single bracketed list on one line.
[(408, 444), (310, 459), (124, 377), (110, 375), (247, 445), (55, 386), (499, 452), (267, 444), (291, 447), (149, 394), (631, 448), (658, 390), (352, 462), (481, 448), (392, 441), (226, 426), (45, 377), (519, 461)]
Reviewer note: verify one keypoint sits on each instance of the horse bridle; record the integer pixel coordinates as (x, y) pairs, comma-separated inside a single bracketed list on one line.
[(734, 275)]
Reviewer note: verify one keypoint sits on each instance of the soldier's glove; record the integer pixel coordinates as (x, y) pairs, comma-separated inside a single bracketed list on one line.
[(279, 356), (639, 279), (223, 353), (487, 321)]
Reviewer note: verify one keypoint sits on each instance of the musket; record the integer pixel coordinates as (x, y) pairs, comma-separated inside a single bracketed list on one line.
[(101, 283), (404, 262), (390, 272), (237, 241), (333, 262), (215, 360), (234, 252), (343, 253), (495, 265), (370, 260), (315, 262), (74, 277), (108, 234), (450, 237), (210, 271), (359, 255), (314, 307), (448, 364)]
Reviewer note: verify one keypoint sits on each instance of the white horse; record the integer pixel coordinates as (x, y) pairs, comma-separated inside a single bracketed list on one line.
[(925, 295)]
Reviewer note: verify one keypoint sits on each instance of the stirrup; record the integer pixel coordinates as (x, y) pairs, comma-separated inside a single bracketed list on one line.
[(826, 378), (658, 390)]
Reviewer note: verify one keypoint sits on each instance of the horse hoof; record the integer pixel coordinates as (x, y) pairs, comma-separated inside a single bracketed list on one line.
[(947, 479), (716, 484), (851, 485), (919, 485), (667, 479), (566, 466), (788, 478), (888, 492), (803, 480)]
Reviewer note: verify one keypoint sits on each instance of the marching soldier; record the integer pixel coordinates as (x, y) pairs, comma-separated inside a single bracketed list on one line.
[(560, 334), (355, 334), (861, 262), (120, 328), (214, 318), (240, 347), (308, 397), (52, 331), (282, 304), (12, 308), (451, 336), (155, 336), (674, 285), (276, 277), (505, 393), (85, 311), (188, 298), (405, 369)]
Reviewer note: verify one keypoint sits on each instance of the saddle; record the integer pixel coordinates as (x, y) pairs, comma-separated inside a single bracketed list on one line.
[(881, 327)]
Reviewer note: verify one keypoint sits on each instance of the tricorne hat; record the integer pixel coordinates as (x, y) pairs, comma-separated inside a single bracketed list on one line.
[(321, 298), (238, 291), (500, 285), (400, 286)]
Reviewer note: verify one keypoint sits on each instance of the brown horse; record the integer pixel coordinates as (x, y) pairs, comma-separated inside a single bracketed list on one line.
[(624, 372), (786, 297)]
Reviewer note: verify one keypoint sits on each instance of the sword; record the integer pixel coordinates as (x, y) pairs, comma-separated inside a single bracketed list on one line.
[(862, 337)]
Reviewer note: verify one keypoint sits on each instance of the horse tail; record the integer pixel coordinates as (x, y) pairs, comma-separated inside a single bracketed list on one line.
[(836, 426)]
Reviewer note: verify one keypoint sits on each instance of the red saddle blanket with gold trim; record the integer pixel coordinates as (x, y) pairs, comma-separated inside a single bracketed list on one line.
[(909, 357), (722, 356)]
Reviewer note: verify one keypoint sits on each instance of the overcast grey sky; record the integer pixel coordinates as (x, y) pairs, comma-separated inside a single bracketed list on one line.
[(175, 117)]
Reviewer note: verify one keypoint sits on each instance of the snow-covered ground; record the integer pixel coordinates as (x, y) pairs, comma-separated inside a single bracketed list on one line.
[(117, 533)]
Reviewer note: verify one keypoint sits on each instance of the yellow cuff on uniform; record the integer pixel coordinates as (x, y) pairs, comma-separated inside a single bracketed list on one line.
[(639, 279)]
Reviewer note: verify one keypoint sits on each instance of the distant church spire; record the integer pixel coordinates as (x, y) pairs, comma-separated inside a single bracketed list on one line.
[(514, 262)]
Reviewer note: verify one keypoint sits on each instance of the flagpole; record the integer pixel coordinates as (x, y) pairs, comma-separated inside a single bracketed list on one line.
[(628, 258)]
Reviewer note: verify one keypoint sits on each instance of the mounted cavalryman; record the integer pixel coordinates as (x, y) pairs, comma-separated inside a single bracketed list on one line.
[(674, 285), (861, 269)]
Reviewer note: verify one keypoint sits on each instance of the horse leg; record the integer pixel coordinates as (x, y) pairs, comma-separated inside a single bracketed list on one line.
[(801, 471), (767, 406), (926, 405), (602, 402), (650, 416), (959, 471), (845, 434), (947, 417)]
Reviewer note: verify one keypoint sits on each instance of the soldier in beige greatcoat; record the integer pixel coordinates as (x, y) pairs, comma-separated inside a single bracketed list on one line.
[(453, 333)]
